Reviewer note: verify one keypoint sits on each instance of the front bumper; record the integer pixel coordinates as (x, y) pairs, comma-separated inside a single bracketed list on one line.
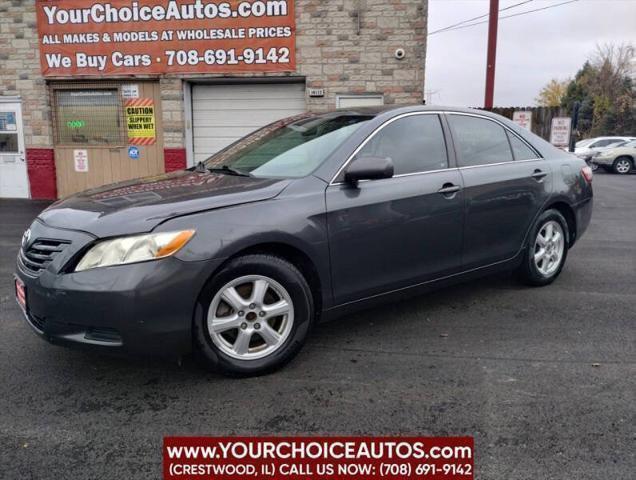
[(144, 308), (608, 162)]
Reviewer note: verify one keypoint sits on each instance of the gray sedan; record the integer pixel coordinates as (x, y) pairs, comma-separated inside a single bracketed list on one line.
[(308, 218)]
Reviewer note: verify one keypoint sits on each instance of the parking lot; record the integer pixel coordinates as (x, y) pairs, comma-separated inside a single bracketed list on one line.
[(544, 379)]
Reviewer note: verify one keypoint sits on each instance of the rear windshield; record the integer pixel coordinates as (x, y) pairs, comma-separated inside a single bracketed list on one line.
[(293, 147)]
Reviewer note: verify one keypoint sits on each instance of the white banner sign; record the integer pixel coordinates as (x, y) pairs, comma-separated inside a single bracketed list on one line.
[(80, 158), (560, 132), (130, 91), (523, 119)]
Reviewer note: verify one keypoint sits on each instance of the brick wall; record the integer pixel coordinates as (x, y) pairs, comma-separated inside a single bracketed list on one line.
[(343, 46), (41, 169), (334, 54)]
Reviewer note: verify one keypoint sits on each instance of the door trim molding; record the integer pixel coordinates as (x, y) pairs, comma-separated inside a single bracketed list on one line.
[(4, 99)]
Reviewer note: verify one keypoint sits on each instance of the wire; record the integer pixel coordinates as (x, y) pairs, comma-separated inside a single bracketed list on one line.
[(477, 18), (448, 29)]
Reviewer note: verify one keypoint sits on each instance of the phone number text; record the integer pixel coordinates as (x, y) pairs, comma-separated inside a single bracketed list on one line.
[(248, 56)]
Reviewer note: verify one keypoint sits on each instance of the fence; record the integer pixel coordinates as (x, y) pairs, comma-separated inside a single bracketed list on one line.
[(541, 117)]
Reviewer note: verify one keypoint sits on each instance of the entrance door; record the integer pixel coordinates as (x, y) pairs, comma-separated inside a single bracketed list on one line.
[(14, 182)]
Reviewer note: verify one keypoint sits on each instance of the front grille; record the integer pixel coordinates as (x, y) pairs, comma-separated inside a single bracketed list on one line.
[(37, 256)]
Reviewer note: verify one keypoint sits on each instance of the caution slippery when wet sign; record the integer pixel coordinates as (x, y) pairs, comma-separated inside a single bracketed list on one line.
[(140, 120)]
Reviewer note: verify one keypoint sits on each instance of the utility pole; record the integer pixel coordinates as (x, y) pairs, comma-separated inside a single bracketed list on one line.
[(493, 20)]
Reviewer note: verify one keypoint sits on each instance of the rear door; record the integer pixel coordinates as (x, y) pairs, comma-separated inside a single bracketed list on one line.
[(506, 183), (391, 233)]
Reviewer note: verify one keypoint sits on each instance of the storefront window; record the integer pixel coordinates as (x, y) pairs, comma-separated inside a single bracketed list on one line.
[(89, 117), (8, 132)]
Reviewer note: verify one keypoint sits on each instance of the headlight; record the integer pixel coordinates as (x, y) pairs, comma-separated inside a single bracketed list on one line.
[(138, 248)]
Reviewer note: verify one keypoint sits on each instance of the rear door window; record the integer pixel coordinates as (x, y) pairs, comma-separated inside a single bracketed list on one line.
[(479, 141), (520, 150)]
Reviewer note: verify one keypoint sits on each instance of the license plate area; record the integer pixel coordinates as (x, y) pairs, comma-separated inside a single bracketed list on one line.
[(21, 294)]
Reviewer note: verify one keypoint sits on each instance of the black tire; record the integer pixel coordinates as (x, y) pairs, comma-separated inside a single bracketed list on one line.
[(528, 272), (286, 275), (621, 161)]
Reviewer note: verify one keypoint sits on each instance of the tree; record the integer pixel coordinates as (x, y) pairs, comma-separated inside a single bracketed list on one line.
[(552, 94), (605, 91)]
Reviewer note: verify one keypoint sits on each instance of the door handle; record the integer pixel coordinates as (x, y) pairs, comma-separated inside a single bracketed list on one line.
[(539, 175), (449, 189)]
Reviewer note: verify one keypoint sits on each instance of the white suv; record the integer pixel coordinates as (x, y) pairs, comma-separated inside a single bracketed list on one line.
[(587, 148)]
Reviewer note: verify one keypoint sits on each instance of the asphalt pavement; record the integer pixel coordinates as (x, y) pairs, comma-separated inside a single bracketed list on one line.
[(544, 379)]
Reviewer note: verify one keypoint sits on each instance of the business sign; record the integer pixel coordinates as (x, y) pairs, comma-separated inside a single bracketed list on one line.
[(140, 121), (153, 37), (130, 90), (133, 153), (80, 160), (523, 119), (560, 131)]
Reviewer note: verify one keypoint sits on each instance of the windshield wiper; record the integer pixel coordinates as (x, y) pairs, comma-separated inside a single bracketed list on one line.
[(201, 168)]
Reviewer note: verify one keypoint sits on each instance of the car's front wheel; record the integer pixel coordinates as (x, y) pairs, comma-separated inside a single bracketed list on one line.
[(546, 249), (254, 316), (623, 165)]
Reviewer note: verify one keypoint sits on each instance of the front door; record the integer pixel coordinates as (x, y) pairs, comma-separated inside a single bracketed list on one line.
[(14, 182), (389, 234)]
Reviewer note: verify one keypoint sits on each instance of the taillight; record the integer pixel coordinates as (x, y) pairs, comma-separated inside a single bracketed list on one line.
[(588, 174)]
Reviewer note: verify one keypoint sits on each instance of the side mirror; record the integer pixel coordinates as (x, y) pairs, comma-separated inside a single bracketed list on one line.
[(368, 168)]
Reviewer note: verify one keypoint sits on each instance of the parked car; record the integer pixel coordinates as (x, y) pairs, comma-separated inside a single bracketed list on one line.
[(621, 159), (595, 151), (310, 217), (587, 148)]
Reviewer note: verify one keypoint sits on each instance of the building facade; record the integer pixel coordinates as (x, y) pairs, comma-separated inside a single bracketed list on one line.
[(65, 127)]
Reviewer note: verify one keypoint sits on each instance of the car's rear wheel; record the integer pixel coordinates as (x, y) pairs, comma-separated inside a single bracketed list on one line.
[(623, 165), (254, 316), (546, 249)]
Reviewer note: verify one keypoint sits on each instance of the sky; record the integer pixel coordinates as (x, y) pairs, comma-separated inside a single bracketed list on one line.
[(531, 49)]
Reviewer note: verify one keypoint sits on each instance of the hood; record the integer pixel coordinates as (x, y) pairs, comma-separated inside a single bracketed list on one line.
[(140, 205)]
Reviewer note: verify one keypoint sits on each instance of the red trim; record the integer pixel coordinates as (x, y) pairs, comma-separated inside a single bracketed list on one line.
[(174, 159), (42, 177)]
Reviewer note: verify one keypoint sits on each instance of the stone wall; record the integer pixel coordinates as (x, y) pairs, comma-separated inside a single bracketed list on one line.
[(348, 46), (20, 70)]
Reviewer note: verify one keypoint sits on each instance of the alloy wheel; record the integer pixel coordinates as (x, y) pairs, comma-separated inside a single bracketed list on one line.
[(250, 317), (549, 248), (623, 166)]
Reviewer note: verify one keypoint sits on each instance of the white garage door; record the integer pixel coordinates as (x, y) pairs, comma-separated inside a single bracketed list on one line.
[(221, 114)]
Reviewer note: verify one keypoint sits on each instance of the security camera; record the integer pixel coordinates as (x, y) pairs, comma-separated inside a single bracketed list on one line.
[(400, 53)]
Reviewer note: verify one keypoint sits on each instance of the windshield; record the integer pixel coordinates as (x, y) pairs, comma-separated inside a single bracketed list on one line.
[(584, 143), (294, 147)]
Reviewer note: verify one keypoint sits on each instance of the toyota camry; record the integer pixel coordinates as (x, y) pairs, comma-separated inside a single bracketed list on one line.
[(307, 218)]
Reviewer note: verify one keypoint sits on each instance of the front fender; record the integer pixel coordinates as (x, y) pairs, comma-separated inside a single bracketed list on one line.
[(294, 220)]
